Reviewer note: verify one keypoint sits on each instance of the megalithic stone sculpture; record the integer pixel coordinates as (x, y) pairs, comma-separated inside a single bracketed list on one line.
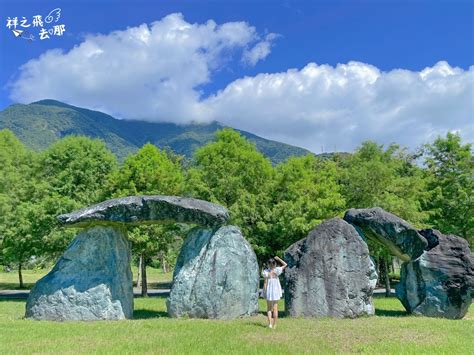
[(216, 276), (136, 210), (437, 277), (329, 273), (440, 282), (93, 280)]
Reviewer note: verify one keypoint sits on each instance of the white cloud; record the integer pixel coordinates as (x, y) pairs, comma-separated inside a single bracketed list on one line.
[(155, 73), (339, 107), (259, 51), (148, 72)]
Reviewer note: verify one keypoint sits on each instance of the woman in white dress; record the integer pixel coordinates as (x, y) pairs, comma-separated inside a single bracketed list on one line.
[(272, 288)]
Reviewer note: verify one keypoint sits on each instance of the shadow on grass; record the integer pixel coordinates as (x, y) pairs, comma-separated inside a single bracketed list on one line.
[(14, 286), (257, 324), (390, 313), (148, 314), (137, 314), (163, 296), (382, 295), (383, 312), (155, 285), (281, 314), (22, 300), (160, 285)]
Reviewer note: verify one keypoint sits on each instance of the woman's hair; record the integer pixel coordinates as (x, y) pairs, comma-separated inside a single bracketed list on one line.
[(271, 262)]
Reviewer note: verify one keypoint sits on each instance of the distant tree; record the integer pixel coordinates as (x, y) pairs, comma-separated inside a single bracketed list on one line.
[(15, 170), (78, 167), (304, 192), (232, 172), (149, 171), (387, 178), (76, 170), (14, 161), (27, 206), (28, 229), (451, 167), (229, 166)]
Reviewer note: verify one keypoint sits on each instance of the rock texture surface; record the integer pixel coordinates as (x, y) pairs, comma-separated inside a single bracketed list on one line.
[(216, 276), (329, 273), (397, 235), (439, 283), (149, 209), (91, 281)]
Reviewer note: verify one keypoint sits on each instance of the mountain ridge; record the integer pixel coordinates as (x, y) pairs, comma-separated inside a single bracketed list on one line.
[(40, 123)]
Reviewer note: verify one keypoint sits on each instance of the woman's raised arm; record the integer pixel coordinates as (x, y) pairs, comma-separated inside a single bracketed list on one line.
[(283, 264)]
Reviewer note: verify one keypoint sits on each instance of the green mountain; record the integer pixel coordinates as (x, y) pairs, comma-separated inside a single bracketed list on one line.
[(40, 123)]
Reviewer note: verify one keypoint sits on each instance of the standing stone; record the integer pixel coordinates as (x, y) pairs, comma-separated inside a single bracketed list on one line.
[(91, 281), (440, 282), (216, 276), (329, 273), (397, 235)]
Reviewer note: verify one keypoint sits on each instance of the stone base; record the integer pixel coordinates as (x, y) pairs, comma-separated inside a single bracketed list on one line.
[(440, 282), (91, 281), (216, 276), (329, 273)]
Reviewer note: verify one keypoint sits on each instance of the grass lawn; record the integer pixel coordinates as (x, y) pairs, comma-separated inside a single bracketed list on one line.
[(9, 280), (390, 331)]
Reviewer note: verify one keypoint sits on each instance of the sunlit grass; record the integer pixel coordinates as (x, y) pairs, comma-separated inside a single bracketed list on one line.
[(390, 331), (9, 280)]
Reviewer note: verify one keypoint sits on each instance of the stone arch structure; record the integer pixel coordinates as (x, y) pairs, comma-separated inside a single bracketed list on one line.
[(437, 275), (216, 274), (330, 273)]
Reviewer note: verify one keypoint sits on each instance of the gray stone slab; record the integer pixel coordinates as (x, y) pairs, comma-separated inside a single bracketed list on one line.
[(148, 209), (397, 235)]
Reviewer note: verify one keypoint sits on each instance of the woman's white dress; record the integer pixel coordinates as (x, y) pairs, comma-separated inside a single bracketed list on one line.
[(273, 283)]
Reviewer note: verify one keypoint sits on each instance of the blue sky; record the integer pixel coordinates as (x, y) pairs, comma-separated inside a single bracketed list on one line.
[(273, 72)]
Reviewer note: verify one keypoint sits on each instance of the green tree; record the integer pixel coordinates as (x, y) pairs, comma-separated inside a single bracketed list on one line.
[(28, 229), (232, 172), (304, 193), (229, 166), (78, 167), (451, 167), (149, 171), (14, 161), (387, 178), (15, 171), (36, 188)]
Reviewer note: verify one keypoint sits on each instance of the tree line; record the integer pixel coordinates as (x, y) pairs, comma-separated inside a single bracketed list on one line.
[(274, 206)]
